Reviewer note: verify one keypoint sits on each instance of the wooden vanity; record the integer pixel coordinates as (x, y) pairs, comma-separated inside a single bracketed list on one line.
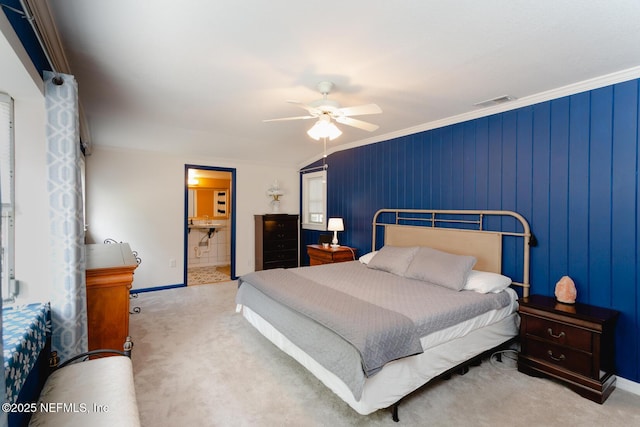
[(109, 273)]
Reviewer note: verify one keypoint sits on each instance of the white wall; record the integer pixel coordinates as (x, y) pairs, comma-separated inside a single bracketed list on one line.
[(138, 197)]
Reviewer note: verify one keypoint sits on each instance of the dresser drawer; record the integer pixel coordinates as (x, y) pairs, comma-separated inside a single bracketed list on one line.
[(280, 229), (291, 254), (281, 245), (281, 263), (559, 333), (568, 358)]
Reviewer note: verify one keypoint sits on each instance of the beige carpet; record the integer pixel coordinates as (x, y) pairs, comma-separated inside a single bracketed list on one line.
[(198, 363)]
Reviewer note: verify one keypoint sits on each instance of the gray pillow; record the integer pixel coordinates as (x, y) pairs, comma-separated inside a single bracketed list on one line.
[(440, 268), (393, 259)]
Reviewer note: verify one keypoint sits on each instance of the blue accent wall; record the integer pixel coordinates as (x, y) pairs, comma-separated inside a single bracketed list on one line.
[(569, 165)]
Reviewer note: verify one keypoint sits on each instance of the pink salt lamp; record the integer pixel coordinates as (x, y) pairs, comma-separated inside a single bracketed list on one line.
[(566, 290)]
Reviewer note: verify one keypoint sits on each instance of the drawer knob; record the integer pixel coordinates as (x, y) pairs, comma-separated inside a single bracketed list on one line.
[(557, 359), (560, 335)]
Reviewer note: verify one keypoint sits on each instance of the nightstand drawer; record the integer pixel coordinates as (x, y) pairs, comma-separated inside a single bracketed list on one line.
[(319, 255), (564, 357), (559, 333)]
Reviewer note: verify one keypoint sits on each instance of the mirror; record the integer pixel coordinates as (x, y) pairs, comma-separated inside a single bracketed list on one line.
[(209, 203), (209, 196)]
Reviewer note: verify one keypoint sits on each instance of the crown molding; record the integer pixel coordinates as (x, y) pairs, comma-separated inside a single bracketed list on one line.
[(48, 31)]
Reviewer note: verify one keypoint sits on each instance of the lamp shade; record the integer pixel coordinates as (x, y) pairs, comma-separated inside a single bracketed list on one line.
[(324, 128), (335, 224)]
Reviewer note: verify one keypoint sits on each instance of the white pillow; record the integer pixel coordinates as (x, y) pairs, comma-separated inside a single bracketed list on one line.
[(485, 282), (367, 257)]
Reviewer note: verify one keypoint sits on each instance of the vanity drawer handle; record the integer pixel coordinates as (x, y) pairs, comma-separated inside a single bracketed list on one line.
[(560, 335), (557, 359)]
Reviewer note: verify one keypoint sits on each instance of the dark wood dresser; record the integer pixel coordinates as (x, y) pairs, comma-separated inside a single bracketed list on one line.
[(276, 241), (573, 343), (109, 273)]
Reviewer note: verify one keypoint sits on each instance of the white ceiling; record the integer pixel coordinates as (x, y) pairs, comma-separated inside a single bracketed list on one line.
[(199, 76)]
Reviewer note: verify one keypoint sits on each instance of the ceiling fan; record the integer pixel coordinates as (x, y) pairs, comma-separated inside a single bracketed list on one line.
[(325, 109)]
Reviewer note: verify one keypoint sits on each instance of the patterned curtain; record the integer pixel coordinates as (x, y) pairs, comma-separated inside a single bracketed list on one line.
[(66, 222), (3, 394)]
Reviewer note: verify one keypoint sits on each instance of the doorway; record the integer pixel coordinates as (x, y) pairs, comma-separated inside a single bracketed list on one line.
[(209, 224)]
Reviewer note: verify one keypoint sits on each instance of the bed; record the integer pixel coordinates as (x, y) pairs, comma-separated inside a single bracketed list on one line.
[(435, 292)]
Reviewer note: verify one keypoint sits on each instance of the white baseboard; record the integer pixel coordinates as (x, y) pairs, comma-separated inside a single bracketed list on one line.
[(628, 385)]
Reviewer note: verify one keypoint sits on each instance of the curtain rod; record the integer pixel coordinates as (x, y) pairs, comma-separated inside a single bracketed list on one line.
[(25, 13), (325, 166)]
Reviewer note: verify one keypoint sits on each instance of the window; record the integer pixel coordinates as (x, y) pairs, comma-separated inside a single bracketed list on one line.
[(6, 193), (314, 200)]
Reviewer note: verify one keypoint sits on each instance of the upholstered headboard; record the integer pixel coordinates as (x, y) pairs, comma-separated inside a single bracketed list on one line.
[(485, 246)]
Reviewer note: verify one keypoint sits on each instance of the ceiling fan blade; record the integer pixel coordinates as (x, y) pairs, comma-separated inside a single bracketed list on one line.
[(316, 112), (360, 110), (290, 118), (357, 123)]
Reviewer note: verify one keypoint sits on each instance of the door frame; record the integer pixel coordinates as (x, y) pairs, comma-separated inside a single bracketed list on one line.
[(232, 216)]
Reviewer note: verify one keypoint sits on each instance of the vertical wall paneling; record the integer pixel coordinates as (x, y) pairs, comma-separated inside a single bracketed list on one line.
[(569, 165), (511, 250), (635, 315), (578, 192), (600, 196), (524, 154), (482, 163), (494, 173), (457, 167), (624, 272), (435, 180), (411, 184), (446, 171), (540, 191), (469, 166), (558, 189)]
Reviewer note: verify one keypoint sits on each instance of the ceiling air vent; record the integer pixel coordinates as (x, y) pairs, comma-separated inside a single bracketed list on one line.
[(495, 101)]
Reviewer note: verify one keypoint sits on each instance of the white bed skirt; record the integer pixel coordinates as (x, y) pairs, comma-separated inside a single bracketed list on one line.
[(400, 377)]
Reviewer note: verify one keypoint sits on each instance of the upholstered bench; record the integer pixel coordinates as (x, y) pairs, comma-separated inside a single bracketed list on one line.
[(96, 392)]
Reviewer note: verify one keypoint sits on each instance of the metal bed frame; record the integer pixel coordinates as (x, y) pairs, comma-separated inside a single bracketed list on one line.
[(454, 227)]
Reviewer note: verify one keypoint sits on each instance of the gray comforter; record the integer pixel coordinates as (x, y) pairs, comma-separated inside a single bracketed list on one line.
[(380, 335), (352, 319)]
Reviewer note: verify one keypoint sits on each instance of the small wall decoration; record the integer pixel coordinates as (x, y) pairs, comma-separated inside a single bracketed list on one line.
[(566, 290), (221, 204), (275, 192)]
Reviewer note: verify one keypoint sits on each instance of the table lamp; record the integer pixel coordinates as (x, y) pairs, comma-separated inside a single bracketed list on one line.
[(335, 225)]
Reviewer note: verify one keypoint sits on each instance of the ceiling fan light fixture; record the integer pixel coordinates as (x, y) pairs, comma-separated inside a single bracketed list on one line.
[(324, 128), (325, 109)]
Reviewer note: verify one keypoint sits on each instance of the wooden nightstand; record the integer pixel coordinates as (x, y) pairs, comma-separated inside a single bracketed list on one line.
[(319, 255), (572, 343)]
